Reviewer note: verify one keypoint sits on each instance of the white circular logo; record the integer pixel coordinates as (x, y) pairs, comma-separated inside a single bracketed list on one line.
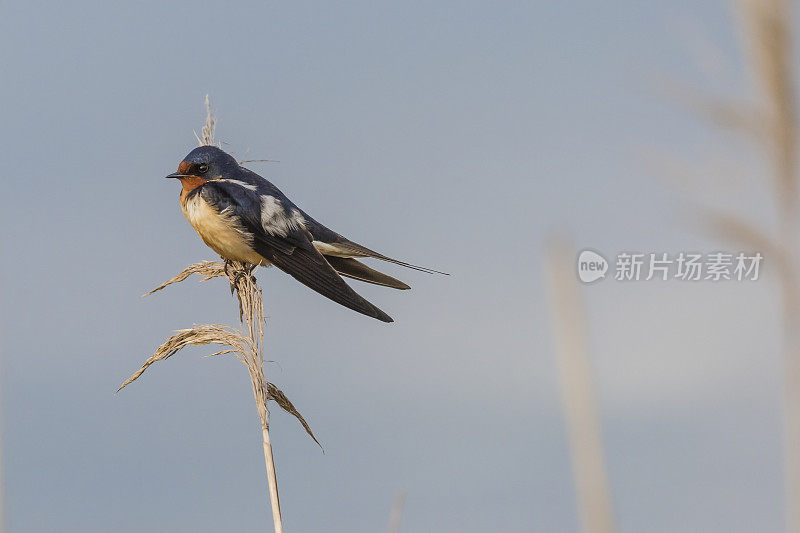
[(591, 266)]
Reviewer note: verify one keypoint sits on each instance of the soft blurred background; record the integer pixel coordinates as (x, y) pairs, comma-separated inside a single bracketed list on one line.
[(457, 135)]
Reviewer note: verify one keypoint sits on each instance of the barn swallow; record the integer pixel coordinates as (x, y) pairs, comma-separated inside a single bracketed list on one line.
[(243, 217)]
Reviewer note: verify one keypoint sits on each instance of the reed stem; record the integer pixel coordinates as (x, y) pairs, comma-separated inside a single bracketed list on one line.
[(272, 481)]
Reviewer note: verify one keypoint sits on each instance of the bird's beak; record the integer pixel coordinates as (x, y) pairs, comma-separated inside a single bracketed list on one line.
[(177, 175)]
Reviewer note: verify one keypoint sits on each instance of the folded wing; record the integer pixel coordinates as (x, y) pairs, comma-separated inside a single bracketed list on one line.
[(286, 243)]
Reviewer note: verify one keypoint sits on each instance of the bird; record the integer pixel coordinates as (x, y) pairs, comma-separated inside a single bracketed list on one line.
[(244, 217)]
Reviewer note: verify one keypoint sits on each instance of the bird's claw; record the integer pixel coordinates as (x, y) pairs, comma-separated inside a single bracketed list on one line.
[(246, 272)]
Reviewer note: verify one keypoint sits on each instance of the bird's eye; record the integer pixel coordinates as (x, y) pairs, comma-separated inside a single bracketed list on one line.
[(202, 168)]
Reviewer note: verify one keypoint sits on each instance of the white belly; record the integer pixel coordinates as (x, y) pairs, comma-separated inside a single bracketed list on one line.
[(220, 232)]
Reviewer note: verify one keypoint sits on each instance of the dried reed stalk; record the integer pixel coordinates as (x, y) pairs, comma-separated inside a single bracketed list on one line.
[(577, 392), (768, 36), (772, 124), (396, 514), (247, 348)]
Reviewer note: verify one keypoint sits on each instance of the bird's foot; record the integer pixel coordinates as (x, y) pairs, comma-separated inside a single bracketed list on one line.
[(234, 278)]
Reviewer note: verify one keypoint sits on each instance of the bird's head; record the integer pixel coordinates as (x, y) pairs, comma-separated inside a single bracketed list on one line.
[(204, 163)]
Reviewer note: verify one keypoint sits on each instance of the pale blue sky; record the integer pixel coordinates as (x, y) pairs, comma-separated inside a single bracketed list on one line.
[(451, 134)]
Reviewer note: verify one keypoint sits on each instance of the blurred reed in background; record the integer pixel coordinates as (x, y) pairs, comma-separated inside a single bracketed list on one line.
[(768, 124), (576, 381)]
